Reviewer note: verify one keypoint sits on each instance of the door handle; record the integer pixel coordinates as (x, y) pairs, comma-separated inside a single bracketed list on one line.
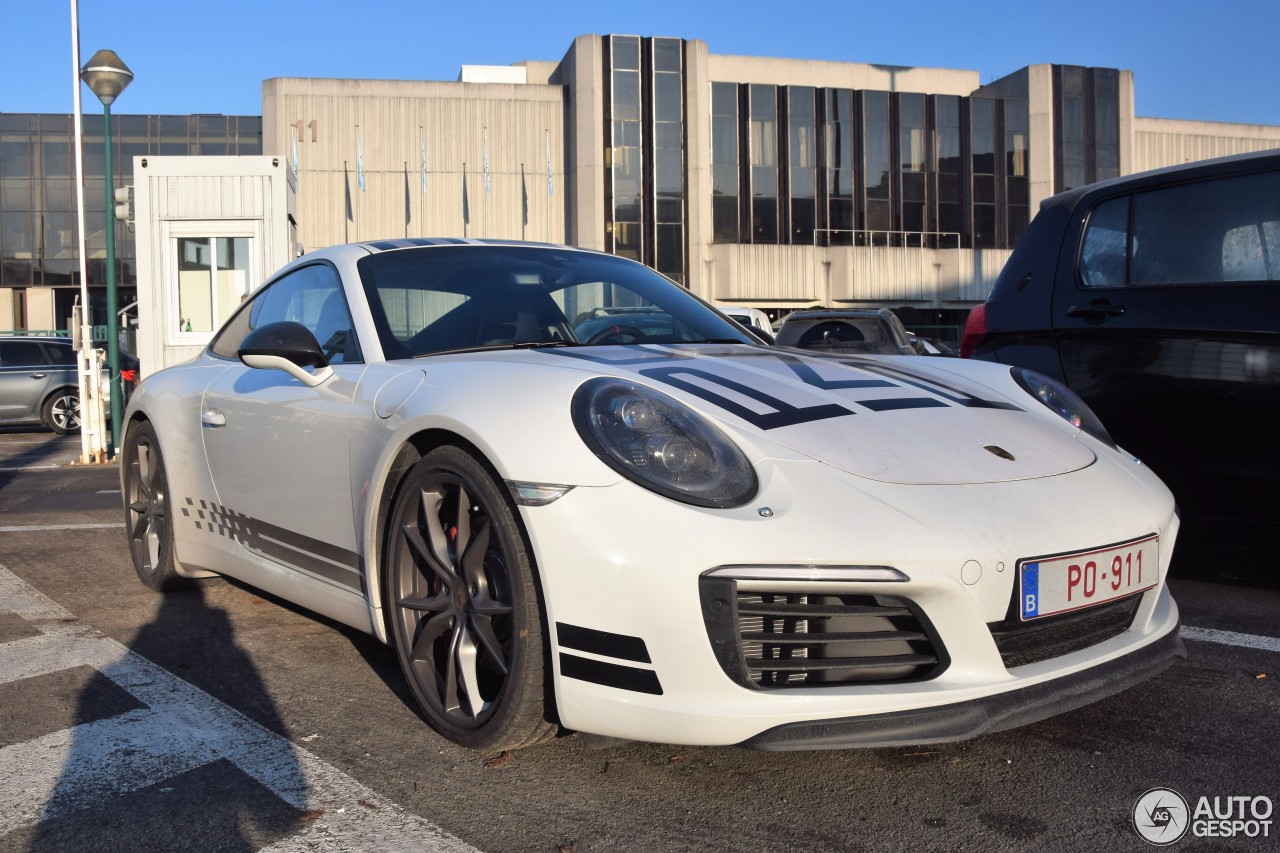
[(1096, 311), (39, 375), (213, 418)]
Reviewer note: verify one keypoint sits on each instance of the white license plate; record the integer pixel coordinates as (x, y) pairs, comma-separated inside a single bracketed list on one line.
[(1067, 582)]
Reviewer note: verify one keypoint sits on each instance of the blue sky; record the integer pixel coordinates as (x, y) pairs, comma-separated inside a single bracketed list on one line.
[(1199, 60)]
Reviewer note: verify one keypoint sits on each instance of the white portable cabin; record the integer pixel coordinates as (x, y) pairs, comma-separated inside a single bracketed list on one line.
[(209, 231)]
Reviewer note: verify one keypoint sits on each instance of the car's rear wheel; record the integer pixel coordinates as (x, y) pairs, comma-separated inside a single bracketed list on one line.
[(464, 606), (61, 412), (147, 510)]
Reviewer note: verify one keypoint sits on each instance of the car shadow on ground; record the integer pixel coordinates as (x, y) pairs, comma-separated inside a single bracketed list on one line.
[(45, 446)]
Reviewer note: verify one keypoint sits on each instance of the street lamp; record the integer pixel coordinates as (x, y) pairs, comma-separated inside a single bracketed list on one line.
[(107, 76)]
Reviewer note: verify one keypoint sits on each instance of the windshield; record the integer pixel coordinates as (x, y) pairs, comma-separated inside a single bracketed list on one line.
[(449, 298)]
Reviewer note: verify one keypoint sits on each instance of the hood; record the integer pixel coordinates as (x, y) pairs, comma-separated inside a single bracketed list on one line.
[(894, 419)]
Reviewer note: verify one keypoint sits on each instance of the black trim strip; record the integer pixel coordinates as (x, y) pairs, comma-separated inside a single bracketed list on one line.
[(610, 674), (602, 643), (276, 543), (963, 720)]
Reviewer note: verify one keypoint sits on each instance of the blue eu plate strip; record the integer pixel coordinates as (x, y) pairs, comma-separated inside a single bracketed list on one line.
[(1030, 590)]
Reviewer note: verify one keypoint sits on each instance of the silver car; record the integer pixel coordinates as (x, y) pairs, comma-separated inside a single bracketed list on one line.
[(38, 383)]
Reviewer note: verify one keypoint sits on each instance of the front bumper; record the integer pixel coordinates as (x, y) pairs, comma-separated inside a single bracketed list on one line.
[(621, 571), (964, 720)]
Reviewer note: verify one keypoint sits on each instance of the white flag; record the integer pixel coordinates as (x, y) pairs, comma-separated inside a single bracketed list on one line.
[(551, 184), (422, 142), (359, 162), (488, 185)]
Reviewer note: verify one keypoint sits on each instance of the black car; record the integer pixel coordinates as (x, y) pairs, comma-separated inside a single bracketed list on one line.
[(1156, 298)]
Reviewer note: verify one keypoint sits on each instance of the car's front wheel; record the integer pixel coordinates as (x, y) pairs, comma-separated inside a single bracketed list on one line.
[(464, 605), (61, 412), (148, 511)]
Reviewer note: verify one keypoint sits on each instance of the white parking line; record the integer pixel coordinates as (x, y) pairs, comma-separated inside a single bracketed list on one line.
[(181, 728), (1231, 638), (31, 468)]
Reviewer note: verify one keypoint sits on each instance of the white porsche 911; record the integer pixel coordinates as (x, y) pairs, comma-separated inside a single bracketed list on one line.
[(571, 494)]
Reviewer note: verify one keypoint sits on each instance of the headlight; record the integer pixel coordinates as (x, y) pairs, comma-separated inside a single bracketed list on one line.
[(1063, 401), (661, 444)]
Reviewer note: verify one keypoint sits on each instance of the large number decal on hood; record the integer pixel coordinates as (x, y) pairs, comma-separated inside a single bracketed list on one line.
[(754, 383)]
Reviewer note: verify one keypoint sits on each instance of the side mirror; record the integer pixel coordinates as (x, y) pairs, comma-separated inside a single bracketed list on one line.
[(286, 346)]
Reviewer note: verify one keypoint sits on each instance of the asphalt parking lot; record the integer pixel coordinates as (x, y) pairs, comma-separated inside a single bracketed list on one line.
[(223, 719)]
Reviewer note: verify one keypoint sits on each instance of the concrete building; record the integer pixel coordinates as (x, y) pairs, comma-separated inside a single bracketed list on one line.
[(767, 182)]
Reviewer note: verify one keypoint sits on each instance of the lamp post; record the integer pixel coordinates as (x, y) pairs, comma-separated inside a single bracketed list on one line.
[(107, 76)]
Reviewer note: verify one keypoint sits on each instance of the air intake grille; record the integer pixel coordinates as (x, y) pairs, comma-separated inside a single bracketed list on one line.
[(771, 640), (1021, 643)]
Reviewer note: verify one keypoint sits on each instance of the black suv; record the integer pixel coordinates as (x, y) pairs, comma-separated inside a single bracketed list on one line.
[(1156, 298)]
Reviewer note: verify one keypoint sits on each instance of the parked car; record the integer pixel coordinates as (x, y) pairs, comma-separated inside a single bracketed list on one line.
[(753, 318), (1156, 298), (39, 383), (699, 541), (853, 330)]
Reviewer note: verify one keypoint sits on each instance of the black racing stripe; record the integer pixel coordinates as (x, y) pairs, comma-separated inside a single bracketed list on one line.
[(284, 546), (610, 674), (602, 643), (890, 404), (332, 553), (303, 560)]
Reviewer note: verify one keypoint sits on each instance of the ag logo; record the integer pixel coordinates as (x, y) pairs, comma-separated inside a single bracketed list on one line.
[(1161, 816)]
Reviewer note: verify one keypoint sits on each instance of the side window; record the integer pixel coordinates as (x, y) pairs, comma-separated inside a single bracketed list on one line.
[(1104, 254), (1211, 231), (61, 354), (1220, 230), (312, 296), (21, 354)]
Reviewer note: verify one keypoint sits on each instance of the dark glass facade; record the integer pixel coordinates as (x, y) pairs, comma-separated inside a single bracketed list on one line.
[(38, 228), (805, 165), (1086, 121), (645, 152)]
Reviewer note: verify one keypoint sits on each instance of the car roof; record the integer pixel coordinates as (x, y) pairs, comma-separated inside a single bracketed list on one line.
[(365, 248), (838, 314), (45, 338), (1237, 163)]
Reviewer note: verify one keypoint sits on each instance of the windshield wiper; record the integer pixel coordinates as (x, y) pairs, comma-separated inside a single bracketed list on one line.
[(544, 344), (499, 347), (721, 341)]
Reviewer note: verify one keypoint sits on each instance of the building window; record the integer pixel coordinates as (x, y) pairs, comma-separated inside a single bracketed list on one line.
[(1106, 123), (724, 162), (762, 139), (949, 167), (876, 133), (838, 134), (213, 279), (982, 156), (625, 148), (912, 164), (668, 158), (1017, 178), (802, 160)]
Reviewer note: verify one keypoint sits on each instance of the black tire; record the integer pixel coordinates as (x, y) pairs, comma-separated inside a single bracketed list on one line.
[(61, 412), (147, 510), (463, 605)]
